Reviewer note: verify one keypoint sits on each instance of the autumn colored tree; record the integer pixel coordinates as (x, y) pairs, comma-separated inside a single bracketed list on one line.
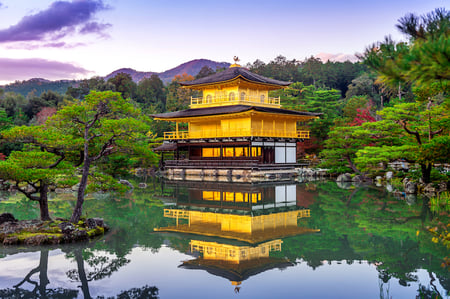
[(44, 114)]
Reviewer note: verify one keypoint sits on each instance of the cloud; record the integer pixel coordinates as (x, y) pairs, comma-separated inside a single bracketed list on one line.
[(37, 45), (24, 69), (61, 19), (94, 27)]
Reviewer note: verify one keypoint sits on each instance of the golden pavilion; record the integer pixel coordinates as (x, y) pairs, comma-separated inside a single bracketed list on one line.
[(234, 129)]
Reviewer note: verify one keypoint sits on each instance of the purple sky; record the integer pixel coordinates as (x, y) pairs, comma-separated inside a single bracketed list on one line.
[(81, 38)]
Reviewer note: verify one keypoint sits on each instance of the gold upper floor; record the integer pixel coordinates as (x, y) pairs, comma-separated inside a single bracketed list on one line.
[(240, 94)]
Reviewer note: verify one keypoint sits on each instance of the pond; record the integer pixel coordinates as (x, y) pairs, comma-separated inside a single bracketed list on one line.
[(223, 240)]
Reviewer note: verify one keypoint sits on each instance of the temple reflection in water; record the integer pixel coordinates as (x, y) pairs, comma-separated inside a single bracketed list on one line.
[(237, 228)]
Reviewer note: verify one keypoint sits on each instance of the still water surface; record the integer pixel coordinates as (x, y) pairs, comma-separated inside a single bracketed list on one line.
[(291, 240)]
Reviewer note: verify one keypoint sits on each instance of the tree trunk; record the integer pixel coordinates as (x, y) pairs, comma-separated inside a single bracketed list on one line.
[(351, 165), (78, 210), (426, 172), (43, 276), (43, 202), (82, 273)]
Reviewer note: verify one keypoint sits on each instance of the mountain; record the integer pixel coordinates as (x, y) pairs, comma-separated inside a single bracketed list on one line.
[(135, 75), (39, 85), (337, 57), (192, 68)]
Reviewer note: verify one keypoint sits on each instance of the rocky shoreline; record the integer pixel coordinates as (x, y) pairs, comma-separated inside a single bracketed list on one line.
[(36, 232)]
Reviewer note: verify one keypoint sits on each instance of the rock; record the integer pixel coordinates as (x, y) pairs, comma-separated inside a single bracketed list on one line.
[(410, 199), (75, 187), (429, 188), (345, 177), (66, 227), (7, 217), (126, 183), (358, 179), (142, 185), (410, 188), (94, 222), (442, 186), (389, 175), (344, 185), (80, 235)]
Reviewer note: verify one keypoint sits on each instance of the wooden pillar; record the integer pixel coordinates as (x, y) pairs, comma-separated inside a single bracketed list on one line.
[(176, 130)]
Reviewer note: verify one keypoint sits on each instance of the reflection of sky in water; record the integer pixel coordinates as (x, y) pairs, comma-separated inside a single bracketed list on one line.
[(335, 280)]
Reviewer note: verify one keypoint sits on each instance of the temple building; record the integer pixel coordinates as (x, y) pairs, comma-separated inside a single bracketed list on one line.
[(234, 129)]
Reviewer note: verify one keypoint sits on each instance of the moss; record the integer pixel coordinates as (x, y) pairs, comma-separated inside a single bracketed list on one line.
[(22, 236), (95, 232)]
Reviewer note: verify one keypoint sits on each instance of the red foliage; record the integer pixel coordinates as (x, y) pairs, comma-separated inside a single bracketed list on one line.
[(307, 146), (45, 113), (2, 157), (363, 116)]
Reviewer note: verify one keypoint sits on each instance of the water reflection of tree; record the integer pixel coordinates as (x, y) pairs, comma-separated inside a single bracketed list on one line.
[(100, 267), (360, 224), (40, 287)]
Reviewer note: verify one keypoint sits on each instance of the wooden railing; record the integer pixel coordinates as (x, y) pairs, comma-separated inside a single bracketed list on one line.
[(210, 101), (235, 133)]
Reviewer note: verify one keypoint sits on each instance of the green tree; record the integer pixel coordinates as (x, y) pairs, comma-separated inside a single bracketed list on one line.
[(85, 86), (423, 63), (13, 104), (124, 84), (151, 93), (40, 166), (103, 124), (413, 128)]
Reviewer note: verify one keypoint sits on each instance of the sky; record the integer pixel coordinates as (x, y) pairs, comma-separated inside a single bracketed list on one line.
[(75, 39)]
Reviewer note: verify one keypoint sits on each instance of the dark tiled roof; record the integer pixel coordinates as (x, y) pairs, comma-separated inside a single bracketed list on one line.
[(232, 73), (228, 110)]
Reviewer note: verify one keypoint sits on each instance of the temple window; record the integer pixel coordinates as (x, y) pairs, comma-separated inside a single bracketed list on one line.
[(242, 96), (262, 98), (231, 96)]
